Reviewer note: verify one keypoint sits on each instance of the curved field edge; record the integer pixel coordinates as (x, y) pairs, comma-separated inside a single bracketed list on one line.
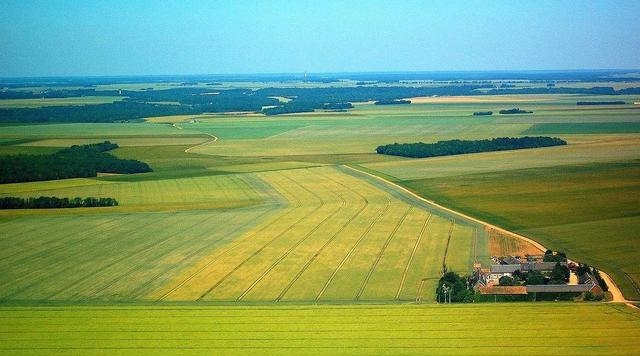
[(551, 329), (589, 210)]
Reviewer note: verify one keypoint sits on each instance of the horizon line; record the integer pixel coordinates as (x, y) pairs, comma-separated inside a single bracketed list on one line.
[(307, 73)]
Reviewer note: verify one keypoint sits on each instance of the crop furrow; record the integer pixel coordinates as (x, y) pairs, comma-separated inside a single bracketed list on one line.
[(413, 253), (324, 246), (381, 252), (144, 263), (97, 246), (146, 247), (263, 247), (136, 293), (352, 249), (225, 252)]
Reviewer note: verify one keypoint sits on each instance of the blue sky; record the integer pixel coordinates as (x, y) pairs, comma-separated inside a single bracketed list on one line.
[(48, 38)]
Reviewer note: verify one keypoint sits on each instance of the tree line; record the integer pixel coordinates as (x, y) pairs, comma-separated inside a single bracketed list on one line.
[(514, 111), (455, 147), (44, 202), (74, 162), (620, 102)]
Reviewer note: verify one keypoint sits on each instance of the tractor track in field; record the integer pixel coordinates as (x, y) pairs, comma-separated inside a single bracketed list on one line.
[(327, 243), (142, 264), (381, 253), (293, 247), (136, 293), (37, 254), (237, 267), (353, 248), (62, 262), (425, 225), (222, 254), (52, 266), (144, 249)]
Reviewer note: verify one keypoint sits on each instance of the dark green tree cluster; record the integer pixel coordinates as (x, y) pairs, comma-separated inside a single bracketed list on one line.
[(74, 162), (392, 102), (456, 147), (559, 274), (54, 202), (454, 288), (337, 106), (600, 103), (514, 111), (550, 256)]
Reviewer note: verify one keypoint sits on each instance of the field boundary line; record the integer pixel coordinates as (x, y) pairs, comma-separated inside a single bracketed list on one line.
[(425, 225), (381, 252), (353, 248), (327, 243), (612, 285)]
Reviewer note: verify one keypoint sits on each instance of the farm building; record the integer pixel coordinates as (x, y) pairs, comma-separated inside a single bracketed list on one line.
[(499, 271)]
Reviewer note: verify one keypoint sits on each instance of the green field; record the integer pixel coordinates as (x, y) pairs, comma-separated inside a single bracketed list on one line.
[(487, 329)]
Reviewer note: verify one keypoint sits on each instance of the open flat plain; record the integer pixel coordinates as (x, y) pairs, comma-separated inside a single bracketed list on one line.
[(263, 241)]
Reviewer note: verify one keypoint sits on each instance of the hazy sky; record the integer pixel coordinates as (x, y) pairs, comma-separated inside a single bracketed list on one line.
[(46, 38)]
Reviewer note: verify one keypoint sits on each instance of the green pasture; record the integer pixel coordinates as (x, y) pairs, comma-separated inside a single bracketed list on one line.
[(486, 329)]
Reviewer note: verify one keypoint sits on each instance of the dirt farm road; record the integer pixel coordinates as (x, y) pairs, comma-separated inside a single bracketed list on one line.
[(613, 288)]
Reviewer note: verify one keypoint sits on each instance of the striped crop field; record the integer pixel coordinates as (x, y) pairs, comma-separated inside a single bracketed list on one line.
[(479, 330), (341, 238), (323, 234)]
